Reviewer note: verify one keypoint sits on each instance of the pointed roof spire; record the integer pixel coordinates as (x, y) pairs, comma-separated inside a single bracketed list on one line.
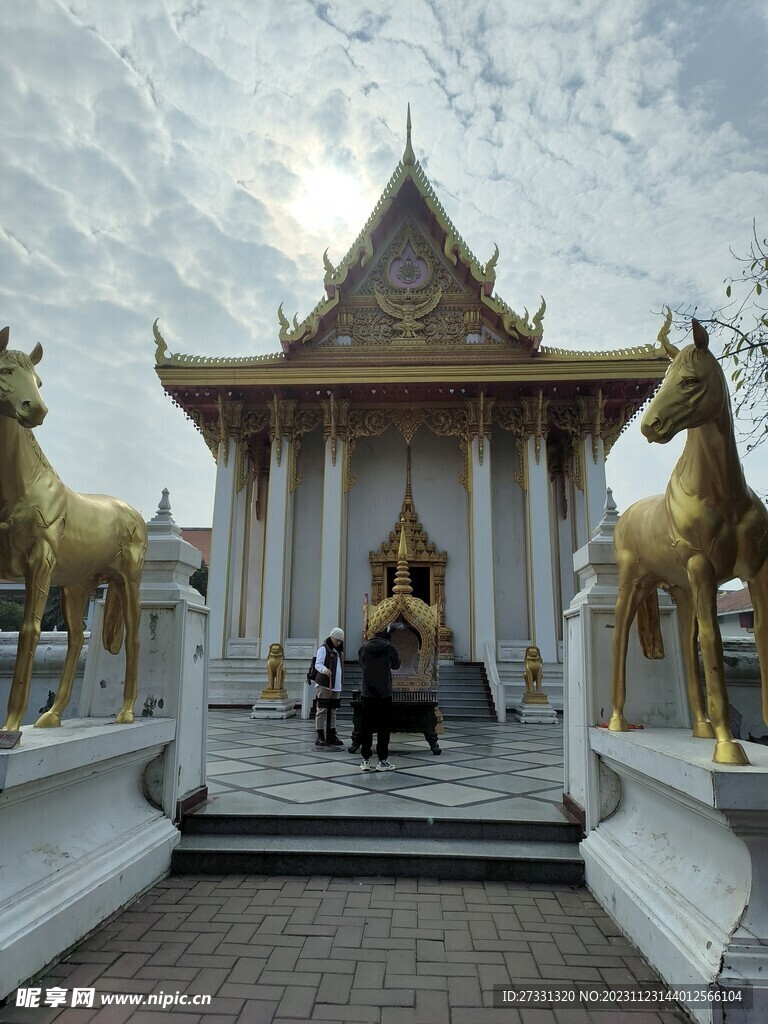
[(408, 499), (409, 158), (403, 575)]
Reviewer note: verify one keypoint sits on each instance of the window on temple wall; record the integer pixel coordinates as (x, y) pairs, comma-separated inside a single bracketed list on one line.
[(420, 581), (747, 620)]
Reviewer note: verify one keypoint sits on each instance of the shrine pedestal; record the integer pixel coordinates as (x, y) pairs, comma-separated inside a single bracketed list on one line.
[(535, 709), (269, 707), (82, 834), (680, 861)]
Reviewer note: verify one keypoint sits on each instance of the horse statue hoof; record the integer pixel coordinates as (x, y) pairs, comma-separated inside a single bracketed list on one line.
[(124, 718), (703, 731), (618, 723), (729, 752), (50, 720)]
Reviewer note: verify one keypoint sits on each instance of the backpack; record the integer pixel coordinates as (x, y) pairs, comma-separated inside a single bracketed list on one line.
[(312, 672)]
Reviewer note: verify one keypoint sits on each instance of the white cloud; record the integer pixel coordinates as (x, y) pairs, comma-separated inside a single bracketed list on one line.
[(192, 160)]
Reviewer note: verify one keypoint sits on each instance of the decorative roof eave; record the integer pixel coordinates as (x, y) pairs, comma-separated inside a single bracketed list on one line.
[(165, 358), (642, 362), (550, 366)]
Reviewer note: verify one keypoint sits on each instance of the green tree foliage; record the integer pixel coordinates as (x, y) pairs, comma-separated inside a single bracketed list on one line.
[(199, 579), (745, 319), (11, 614), (742, 323)]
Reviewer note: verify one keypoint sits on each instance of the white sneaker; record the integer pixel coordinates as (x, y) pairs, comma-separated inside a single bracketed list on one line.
[(385, 766), (365, 766)]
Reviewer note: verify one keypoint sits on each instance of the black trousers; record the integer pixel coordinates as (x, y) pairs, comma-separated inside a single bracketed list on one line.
[(377, 718)]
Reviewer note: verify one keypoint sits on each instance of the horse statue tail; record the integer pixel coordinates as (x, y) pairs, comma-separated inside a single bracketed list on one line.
[(114, 624), (649, 627)]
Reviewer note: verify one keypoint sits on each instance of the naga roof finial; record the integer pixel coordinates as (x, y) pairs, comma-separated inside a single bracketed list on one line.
[(409, 158), (663, 336)]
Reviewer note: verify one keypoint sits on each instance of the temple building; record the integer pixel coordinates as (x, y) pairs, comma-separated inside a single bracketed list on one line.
[(411, 397)]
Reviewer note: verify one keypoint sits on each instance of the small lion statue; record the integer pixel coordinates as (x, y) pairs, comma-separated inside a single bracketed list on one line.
[(276, 668), (532, 672)]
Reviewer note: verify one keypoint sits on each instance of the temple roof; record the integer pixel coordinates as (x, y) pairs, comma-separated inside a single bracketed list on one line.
[(409, 313), (410, 184)]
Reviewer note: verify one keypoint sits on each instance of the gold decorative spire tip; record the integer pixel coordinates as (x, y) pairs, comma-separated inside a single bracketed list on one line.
[(409, 159), (402, 548)]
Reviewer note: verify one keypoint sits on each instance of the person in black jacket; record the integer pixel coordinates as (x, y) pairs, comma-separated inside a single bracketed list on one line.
[(378, 657)]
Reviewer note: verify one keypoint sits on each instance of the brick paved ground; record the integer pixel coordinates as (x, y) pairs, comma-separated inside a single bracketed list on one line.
[(384, 951)]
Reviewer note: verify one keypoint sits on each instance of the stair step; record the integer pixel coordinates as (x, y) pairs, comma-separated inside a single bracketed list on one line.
[(225, 823), (456, 859)]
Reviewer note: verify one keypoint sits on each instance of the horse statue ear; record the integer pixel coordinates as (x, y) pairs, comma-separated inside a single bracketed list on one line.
[(36, 354), (5, 336), (700, 336)]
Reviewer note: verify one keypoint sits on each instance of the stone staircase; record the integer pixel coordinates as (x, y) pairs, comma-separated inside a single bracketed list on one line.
[(457, 848)]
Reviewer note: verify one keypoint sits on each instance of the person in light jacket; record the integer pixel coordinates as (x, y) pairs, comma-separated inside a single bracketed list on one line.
[(328, 685)]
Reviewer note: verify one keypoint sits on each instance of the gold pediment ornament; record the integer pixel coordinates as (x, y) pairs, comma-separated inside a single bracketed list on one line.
[(409, 251), (567, 418), (408, 307), (408, 421)]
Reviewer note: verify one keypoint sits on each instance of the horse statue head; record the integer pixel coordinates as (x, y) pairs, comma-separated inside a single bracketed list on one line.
[(20, 398), (693, 391)]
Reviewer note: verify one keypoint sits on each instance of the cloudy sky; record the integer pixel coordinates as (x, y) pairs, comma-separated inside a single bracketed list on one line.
[(192, 160)]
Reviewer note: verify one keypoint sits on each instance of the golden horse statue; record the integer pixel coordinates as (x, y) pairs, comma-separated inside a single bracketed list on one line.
[(51, 535), (708, 528)]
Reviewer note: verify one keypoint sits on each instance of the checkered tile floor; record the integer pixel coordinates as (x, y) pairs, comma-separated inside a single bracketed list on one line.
[(486, 770)]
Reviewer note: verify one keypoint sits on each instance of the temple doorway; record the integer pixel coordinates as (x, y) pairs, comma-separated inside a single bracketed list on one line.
[(421, 581)]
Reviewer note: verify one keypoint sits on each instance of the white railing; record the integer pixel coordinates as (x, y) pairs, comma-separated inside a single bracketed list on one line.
[(496, 685)]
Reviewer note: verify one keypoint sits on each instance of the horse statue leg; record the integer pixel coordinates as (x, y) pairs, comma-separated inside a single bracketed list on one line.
[(38, 572), (129, 594), (702, 727), (632, 593), (758, 591), (73, 602), (704, 589)]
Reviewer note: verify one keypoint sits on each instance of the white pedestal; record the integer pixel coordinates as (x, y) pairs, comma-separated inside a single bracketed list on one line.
[(536, 714), (681, 863), (79, 837), (273, 709), (656, 693), (173, 661)]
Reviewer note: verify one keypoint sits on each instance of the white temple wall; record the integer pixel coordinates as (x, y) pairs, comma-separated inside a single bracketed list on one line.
[(442, 505), (373, 505), (307, 531), (509, 547)]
